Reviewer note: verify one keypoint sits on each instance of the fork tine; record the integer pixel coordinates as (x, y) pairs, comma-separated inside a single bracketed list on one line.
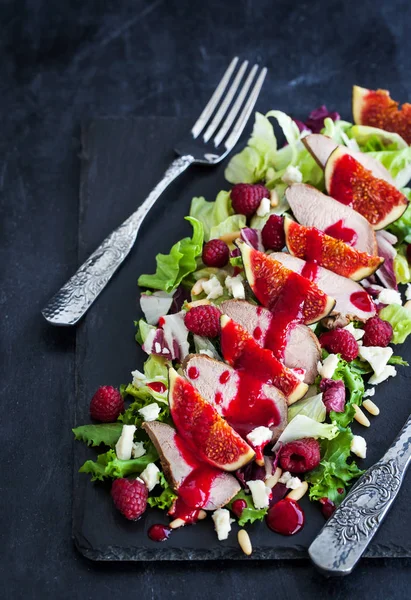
[(212, 103), (225, 103), (245, 113), (236, 107)]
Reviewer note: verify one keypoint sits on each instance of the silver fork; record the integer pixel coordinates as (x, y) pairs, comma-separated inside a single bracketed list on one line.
[(71, 302)]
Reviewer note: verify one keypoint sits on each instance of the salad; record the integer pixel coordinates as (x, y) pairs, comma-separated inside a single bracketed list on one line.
[(268, 330)]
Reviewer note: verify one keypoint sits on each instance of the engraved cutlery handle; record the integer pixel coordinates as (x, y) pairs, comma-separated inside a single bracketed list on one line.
[(346, 535), (70, 303)]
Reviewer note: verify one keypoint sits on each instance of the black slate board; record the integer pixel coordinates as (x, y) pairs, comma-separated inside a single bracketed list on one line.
[(122, 160)]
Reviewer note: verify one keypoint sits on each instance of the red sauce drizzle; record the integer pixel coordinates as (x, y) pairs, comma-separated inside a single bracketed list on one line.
[(257, 333), (362, 301), (218, 398), (157, 386), (285, 517), (225, 376), (159, 533), (310, 271), (347, 235), (193, 372)]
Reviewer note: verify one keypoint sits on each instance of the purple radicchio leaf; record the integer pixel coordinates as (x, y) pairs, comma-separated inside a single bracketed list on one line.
[(333, 395), (234, 253), (315, 120), (253, 238), (180, 296), (277, 493), (386, 250), (250, 472), (302, 126)]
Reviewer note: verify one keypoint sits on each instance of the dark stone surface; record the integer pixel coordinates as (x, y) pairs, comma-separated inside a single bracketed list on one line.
[(63, 62)]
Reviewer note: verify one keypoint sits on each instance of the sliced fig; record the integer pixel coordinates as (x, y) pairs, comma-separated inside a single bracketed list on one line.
[(205, 431), (178, 463), (312, 245), (241, 351), (352, 301), (352, 184), (314, 209), (302, 350), (271, 283), (244, 402), (377, 109), (321, 147)]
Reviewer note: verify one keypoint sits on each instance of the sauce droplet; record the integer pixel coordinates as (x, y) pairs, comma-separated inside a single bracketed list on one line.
[(218, 398), (159, 533), (285, 517), (327, 507), (225, 376), (257, 333), (193, 372), (157, 386), (238, 506), (362, 301), (346, 234)]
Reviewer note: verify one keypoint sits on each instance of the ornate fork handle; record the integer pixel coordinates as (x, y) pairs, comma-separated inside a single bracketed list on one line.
[(77, 295), (348, 532)]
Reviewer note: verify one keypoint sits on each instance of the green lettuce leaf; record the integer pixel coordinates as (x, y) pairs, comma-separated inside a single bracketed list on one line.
[(337, 130), (302, 426), (402, 226), (250, 514), (312, 407), (372, 139), (108, 465), (173, 267), (398, 360), (143, 329), (211, 214), (397, 162), (351, 375), (334, 471), (401, 266), (143, 396), (400, 319), (156, 367), (165, 500), (94, 435), (231, 224)]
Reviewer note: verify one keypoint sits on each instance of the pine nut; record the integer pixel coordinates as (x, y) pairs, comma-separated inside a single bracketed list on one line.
[(177, 523), (299, 492), (230, 237), (259, 462), (245, 542), (198, 303), (274, 198), (360, 416), (201, 515), (371, 407), (273, 479), (198, 286)]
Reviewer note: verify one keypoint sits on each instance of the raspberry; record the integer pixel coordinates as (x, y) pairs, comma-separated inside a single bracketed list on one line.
[(300, 456), (273, 235), (246, 197), (106, 404), (238, 506), (130, 497), (377, 332), (340, 341), (216, 254), (203, 320)]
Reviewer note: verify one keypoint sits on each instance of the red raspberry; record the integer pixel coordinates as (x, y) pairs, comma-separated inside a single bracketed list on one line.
[(106, 404), (238, 506), (246, 197), (300, 456), (130, 497), (273, 235), (340, 341), (377, 332), (203, 320), (216, 254)]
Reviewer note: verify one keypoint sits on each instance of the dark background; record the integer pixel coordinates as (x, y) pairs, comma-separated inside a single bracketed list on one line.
[(65, 62)]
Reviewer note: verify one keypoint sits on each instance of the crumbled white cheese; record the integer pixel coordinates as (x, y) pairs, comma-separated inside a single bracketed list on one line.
[(376, 356), (151, 476), (357, 333), (124, 445), (260, 436), (138, 378), (388, 371), (213, 288), (285, 477), (157, 347), (408, 292), (368, 393), (222, 523), (150, 412), (389, 297), (359, 446), (292, 175), (137, 450), (207, 353), (289, 481), (235, 287), (264, 207), (260, 493), (327, 367)]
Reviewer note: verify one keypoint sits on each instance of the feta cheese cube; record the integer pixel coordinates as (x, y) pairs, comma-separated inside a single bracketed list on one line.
[(213, 288), (289, 481), (124, 445), (150, 412), (260, 493), (137, 450), (357, 333), (151, 476), (260, 436), (292, 175), (327, 367), (138, 378), (235, 287), (264, 207), (388, 371), (390, 297), (222, 523), (359, 446), (376, 356), (285, 477), (368, 393)]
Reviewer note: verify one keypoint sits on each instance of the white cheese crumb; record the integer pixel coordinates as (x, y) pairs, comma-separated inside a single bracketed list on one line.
[(359, 446), (368, 393), (213, 288), (260, 493), (292, 175), (150, 412), (408, 292), (138, 378), (151, 476), (390, 297), (264, 207), (207, 353), (260, 436), (289, 481), (137, 450), (235, 287), (327, 367), (124, 445), (157, 347), (357, 333), (388, 371), (376, 356), (222, 523)]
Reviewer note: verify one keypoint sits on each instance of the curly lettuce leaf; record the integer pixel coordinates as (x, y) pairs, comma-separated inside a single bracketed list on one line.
[(372, 139), (231, 224), (173, 267), (156, 368), (165, 500), (143, 396), (250, 514), (211, 214), (397, 162), (302, 426), (401, 228), (351, 375), (103, 433), (109, 466), (400, 319)]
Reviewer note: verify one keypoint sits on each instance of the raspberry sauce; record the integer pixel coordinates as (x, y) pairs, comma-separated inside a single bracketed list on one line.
[(159, 533), (347, 235), (257, 333), (224, 377), (157, 386), (310, 271), (285, 517), (362, 301), (327, 507), (193, 372)]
